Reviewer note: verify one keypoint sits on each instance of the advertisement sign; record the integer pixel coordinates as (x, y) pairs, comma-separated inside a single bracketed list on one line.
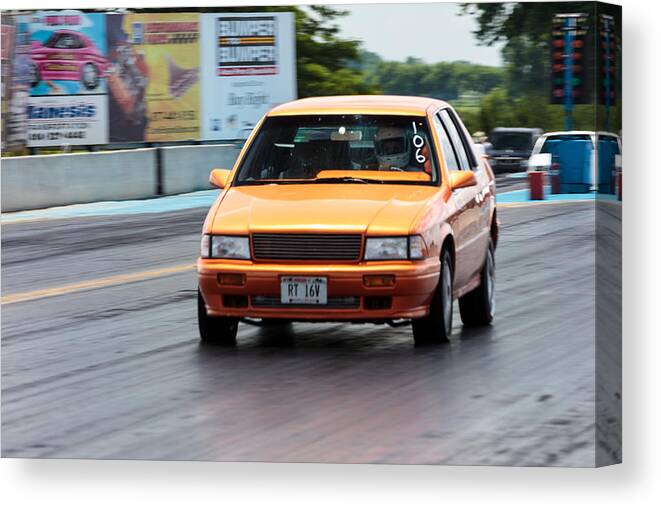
[(154, 90), (68, 53), (68, 69), (61, 120), (7, 52), (16, 69), (248, 67)]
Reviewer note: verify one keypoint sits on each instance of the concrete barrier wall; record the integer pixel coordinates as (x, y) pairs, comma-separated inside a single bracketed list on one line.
[(187, 168), (43, 181)]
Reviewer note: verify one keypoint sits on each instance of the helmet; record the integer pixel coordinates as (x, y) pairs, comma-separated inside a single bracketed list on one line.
[(392, 147), (479, 137)]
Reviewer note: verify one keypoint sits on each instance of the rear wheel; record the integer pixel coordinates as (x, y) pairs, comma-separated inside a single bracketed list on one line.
[(478, 306), (215, 330), (437, 326), (34, 75)]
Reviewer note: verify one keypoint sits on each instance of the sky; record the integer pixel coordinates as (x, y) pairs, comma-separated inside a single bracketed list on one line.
[(433, 32)]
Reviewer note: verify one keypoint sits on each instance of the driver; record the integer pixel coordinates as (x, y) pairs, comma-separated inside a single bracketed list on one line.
[(393, 148)]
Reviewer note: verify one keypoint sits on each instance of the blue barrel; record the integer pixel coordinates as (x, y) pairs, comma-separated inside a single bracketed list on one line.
[(574, 159), (606, 161)]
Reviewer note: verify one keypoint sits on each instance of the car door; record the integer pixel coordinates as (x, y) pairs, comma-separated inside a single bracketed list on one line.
[(473, 223)]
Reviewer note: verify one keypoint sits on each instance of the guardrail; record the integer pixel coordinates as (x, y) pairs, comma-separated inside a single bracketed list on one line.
[(43, 181)]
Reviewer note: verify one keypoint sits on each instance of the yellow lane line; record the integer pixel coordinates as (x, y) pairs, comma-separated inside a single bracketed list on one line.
[(98, 283)]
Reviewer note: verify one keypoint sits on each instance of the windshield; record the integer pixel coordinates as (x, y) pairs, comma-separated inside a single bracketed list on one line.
[(552, 140), (62, 41), (340, 148), (611, 141), (516, 141)]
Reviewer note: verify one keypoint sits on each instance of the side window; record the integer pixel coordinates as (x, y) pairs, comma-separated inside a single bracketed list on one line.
[(466, 139), (448, 151), (457, 142)]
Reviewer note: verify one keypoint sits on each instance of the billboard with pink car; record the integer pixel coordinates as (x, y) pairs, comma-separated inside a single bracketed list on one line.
[(68, 69), (68, 53)]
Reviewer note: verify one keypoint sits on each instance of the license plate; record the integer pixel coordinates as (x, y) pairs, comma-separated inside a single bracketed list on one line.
[(303, 290)]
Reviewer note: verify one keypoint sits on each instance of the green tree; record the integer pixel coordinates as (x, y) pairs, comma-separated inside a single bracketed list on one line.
[(444, 80), (525, 29), (325, 62)]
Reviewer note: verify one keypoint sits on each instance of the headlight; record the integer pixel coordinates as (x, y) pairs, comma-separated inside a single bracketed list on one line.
[(225, 247), (394, 248)]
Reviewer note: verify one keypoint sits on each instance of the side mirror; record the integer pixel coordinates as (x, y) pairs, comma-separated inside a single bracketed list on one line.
[(218, 177), (462, 179)]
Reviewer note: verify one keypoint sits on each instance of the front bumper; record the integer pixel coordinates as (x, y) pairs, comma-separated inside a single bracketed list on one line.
[(349, 299)]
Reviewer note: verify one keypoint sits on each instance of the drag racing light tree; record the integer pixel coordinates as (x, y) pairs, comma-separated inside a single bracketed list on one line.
[(570, 69), (607, 61)]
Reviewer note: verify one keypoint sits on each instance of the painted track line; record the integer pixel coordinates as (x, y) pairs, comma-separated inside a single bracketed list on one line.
[(556, 201), (98, 283)]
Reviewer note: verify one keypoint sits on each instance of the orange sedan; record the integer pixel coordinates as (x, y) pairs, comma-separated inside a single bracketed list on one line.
[(357, 209)]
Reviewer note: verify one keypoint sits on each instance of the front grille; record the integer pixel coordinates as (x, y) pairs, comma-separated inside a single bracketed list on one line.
[(323, 247), (508, 161), (334, 302)]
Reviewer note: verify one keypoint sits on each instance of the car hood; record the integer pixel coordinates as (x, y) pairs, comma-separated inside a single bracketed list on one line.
[(356, 208)]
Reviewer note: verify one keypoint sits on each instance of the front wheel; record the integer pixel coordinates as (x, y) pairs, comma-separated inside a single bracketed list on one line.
[(90, 76), (477, 308), (437, 326), (215, 330)]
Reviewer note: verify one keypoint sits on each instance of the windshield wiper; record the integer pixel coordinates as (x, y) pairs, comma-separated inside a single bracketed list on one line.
[(270, 182), (345, 179)]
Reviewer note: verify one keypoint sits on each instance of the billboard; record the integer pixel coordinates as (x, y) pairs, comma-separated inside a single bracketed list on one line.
[(68, 68), (59, 120), (68, 53), (15, 80), (7, 51), (152, 76), (248, 67), (154, 91)]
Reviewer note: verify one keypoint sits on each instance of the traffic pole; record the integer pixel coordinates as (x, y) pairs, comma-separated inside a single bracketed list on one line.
[(607, 81), (570, 26)]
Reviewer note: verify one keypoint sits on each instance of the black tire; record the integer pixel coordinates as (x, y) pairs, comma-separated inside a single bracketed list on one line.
[(215, 330), (35, 76), (477, 308), (92, 81), (436, 327)]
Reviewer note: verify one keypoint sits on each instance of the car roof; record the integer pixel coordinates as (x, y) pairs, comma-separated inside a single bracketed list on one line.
[(515, 129), (590, 132), (359, 104), (569, 133), (65, 31)]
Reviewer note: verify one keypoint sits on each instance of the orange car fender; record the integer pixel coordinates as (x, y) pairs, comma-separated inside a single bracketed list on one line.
[(433, 223), (446, 234), (211, 214)]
